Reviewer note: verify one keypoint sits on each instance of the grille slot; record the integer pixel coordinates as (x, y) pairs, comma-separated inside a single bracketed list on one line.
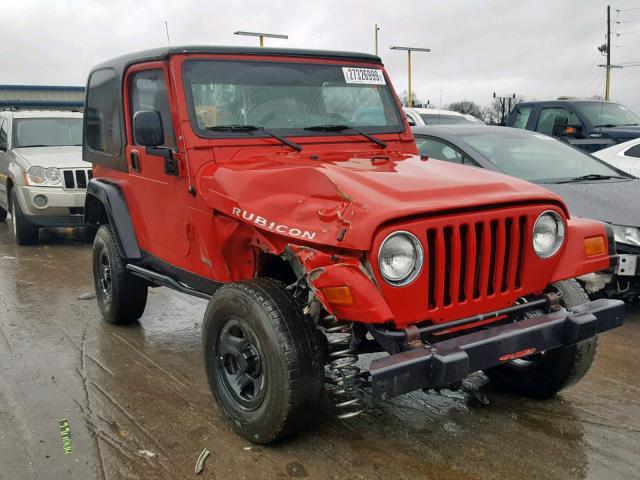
[(76, 179), (69, 179), (471, 260)]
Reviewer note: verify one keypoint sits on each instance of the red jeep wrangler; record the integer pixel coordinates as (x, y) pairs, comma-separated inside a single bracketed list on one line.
[(284, 186)]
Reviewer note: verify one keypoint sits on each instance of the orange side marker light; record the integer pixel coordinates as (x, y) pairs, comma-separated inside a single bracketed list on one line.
[(595, 245), (338, 295)]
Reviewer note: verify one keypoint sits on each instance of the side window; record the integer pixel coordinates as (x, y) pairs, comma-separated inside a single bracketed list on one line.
[(522, 116), (3, 133), (633, 151), (551, 116), (439, 150), (102, 127), (148, 91)]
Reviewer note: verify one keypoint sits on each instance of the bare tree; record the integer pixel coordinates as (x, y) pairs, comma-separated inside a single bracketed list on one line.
[(404, 98), (466, 107)]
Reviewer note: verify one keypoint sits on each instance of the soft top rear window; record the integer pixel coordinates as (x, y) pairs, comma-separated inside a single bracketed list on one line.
[(287, 97)]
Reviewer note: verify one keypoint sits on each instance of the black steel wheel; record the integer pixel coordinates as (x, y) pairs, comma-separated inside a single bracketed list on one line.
[(263, 360), (543, 374), (121, 296)]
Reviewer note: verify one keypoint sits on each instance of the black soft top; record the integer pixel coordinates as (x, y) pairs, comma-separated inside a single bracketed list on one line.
[(120, 64)]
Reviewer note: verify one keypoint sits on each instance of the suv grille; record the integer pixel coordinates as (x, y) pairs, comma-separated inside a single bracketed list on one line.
[(471, 260), (76, 179)]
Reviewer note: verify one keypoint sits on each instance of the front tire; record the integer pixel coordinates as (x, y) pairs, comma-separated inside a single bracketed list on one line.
[(24, 232), (121, 296), (543, 375), (263, 360)]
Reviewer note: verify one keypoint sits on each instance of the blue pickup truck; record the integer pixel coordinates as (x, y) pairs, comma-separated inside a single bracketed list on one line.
[(587, 124)]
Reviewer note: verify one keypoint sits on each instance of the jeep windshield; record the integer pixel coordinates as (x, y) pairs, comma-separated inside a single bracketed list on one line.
[(288, 98), (601, 114), (47, 132)]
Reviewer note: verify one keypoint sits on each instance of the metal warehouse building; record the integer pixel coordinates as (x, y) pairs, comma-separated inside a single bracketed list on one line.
[(41, 96)]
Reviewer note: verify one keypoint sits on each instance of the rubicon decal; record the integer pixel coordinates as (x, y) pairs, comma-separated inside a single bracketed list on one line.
[(271, 225)]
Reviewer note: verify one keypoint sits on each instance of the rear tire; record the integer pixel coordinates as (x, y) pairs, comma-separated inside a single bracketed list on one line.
[(121, 296), (544, 375), (25, 232), (263, 360)]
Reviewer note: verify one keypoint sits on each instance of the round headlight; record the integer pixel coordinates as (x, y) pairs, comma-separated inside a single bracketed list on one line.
[(400, 258), (52, 174), (548, 234), (37, 175)]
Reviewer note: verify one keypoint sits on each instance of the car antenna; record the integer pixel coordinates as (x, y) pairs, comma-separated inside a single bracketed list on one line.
[(172, 81)]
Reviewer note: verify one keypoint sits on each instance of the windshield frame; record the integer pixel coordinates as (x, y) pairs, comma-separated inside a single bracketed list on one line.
[(474, 152), (298, 132), (16, 121)]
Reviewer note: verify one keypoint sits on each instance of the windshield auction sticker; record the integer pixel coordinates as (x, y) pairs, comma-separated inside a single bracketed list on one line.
[(369, 76)]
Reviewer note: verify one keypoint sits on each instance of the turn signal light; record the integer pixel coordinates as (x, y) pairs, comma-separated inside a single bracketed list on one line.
[(595, 245), (338, 295)]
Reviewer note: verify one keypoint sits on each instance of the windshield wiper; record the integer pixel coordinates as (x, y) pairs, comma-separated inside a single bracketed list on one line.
[(253, 128), (341, 128), (593, 176), (606, 125)]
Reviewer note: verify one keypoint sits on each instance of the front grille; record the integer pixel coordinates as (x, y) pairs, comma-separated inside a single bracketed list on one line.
[(76, 179), (470, 260)]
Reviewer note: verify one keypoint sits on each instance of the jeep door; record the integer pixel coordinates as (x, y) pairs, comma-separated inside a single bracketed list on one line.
[(157, 202)]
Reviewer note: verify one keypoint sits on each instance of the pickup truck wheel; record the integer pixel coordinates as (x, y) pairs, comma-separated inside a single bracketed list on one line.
[(121, 296), (25, 232), (542, 375), (263, 360)]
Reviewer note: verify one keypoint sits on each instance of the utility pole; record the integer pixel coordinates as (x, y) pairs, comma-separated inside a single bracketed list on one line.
[(377, 28), (505, 106), (606, 48), (261, 35), (409, 50)]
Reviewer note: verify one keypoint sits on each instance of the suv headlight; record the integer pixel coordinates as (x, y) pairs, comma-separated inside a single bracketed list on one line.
[(44, 176), (400, 258), (548, 234), (628, 235)]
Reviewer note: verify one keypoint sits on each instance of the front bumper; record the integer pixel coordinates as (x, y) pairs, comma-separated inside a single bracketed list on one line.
[(443, 363), (60, 202)]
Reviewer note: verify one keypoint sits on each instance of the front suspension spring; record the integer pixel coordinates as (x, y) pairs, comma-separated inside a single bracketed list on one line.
[(341, 372)]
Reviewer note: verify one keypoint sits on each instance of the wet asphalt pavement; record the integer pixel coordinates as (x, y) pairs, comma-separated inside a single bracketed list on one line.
[(138, 406)]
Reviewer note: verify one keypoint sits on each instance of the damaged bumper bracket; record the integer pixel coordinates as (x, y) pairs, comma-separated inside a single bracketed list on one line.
[(445, 362)]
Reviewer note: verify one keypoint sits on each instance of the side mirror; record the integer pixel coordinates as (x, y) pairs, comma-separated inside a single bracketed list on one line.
[(559, 126), (147, 128)]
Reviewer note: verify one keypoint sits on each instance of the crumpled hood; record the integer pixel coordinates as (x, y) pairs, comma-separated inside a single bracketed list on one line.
[(343, 202), (607, 201), (61, 157)]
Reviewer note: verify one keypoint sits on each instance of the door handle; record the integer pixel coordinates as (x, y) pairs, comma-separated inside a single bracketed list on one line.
[(135, 160)]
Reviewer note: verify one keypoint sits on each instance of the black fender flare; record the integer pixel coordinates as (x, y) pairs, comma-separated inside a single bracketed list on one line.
[(105, 203)]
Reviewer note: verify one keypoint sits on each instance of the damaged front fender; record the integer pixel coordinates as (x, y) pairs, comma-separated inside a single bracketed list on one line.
[(359, 300)]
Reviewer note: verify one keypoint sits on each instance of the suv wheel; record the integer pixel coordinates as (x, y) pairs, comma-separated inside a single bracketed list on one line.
[(542, 375), (25, 232), (263, 360), (121, 296)]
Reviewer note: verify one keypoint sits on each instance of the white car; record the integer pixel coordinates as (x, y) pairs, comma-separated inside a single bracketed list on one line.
[(625, 156), (43, 179), (432, 116)]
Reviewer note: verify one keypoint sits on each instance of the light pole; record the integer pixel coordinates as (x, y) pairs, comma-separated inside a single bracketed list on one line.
[(377, 29), (409, 50), (261, 35)]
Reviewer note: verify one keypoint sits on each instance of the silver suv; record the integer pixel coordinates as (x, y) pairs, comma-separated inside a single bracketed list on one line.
[(43, 179)]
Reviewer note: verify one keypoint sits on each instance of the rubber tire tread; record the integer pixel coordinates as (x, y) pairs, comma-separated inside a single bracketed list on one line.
[(298, 378), (128, 292), (559, 368), (26, 232)]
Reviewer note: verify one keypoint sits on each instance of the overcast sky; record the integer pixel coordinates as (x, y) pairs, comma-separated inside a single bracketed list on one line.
[(537, 49)]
